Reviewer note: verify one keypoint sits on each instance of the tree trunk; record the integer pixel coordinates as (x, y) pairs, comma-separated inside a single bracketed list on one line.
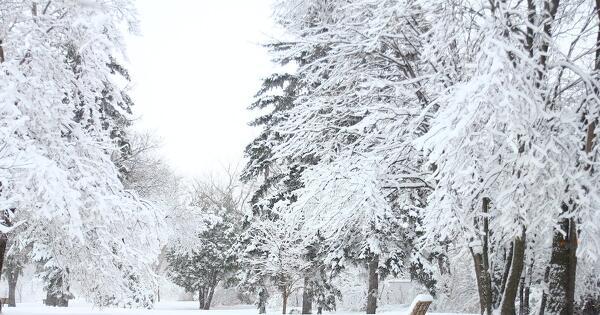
[(544, 294), (1, 52), (12, 278), (200, 299), (209, 297), (484, 284), (373, 285), (284, 295), (563, 268), (506, 272), (512, 283), (306, 298), (4, 216), (522, 296), (3, 242), (482, 266), (528, 281), (262, 301), (526, 300)]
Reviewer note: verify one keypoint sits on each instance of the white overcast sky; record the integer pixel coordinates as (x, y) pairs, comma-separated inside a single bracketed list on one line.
[(195, 68)]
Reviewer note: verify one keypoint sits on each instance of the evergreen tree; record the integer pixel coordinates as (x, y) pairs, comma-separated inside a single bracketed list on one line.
[(212, 258)]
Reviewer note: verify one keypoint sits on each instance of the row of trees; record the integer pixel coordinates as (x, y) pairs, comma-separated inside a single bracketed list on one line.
[(414, 135)]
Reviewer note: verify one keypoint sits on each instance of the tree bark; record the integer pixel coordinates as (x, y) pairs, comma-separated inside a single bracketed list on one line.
[(3, 237), (484, 284), (506, 272), (529, 280), (522, 296), (560, 298), (200, 298), (1, 52), (284, 296), (12, 278), (482, 266), (373, 285), (209, 297), (306, 298), (262, 301), (526, 299), (209, 291), (512, 283), (3, 242), (544, 300)]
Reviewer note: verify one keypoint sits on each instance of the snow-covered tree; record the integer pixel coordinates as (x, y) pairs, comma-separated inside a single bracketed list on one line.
[(208, 257), (437, 131), (59, 101), (274, 257), (506, 143), (355, 117), (16, 259)]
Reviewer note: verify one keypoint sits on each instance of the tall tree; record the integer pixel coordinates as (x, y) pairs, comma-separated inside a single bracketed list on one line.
[(57, 170)]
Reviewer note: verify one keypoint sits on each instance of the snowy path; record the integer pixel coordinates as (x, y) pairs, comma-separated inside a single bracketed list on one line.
[(176, 308)]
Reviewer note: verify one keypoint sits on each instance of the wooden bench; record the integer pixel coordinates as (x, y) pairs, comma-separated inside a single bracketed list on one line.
[(420, 304)]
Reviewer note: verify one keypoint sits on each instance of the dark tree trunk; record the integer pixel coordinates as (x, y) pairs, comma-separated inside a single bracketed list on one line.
[(12, 278), (201, 298), (209, 291), (4, 217), (306, 298), (482, 266), (262, 301), (522, 296), (209, 297), (563, 268), (373, 285), (506, 272), (544, 300), (512, 283), (526, 300), (528, 281), (284, 296), (484, 283), (1, 52), (3, 242)]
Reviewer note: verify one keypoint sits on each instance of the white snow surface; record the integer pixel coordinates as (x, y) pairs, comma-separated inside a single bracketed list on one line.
[(175, 308)]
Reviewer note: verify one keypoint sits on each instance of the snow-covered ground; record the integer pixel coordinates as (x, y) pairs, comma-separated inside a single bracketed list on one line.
[(164, 308)]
